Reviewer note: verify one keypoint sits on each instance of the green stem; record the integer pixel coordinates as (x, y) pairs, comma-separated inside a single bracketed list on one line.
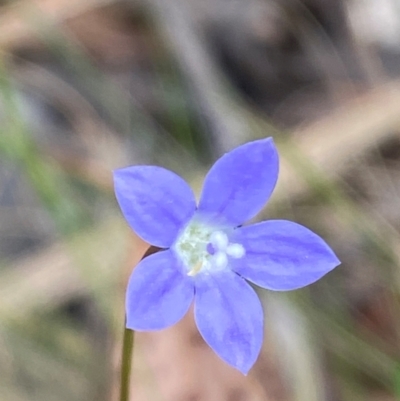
[(126, 364)]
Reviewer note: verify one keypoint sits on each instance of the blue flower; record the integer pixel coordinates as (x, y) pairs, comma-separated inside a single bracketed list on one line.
[(207, 255)]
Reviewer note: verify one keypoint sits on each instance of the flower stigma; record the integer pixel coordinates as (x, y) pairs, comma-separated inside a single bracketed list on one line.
[(203, 248)]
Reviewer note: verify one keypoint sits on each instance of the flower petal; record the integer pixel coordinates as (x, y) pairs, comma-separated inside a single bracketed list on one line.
[(156, 202), (282, 255), (240, 183), (159, 293), (229, 316)]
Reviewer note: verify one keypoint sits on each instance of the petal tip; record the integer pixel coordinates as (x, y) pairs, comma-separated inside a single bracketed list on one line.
[(334, 260), (118, 171), (337, 262), (244, 369), (268, 142), (269, 139)]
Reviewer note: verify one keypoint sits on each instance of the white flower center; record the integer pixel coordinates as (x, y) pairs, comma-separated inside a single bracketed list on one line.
[(204, 249)]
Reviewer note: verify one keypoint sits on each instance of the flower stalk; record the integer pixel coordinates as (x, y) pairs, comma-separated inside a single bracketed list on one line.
[(126, 364)]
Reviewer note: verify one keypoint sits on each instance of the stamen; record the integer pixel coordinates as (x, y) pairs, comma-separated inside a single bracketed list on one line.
[(219, 240), (196, 268), (237, 251), (203, 248), (220, 260)]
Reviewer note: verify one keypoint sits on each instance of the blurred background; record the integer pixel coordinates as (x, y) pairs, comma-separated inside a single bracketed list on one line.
[(89, 86)]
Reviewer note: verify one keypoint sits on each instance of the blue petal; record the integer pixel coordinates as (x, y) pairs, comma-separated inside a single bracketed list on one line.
[(229, 316), (156, 202), (240, 183), (159, 293), (282, 255)]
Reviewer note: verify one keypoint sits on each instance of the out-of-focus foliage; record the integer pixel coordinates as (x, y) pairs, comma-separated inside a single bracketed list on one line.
[(86, 87)]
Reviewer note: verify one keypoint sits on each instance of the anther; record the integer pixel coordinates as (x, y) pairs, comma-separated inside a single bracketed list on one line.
[(236, 251), (220, 260), (219, 240)]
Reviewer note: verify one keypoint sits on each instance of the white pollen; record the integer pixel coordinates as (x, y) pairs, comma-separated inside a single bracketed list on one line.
[(219, 240), (220, 260), (235, 250)]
